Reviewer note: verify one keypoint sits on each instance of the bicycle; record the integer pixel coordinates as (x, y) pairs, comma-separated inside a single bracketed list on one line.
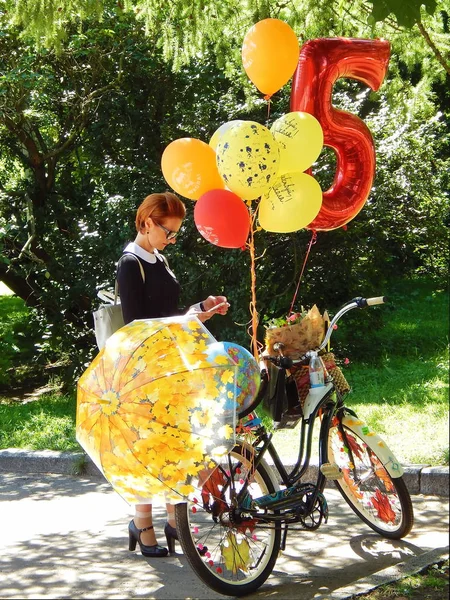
[(233, 528)]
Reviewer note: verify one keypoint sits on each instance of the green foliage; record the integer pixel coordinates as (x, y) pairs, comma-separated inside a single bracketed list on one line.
[(428, 584), (184, 30), (413, 325), (82, 131), (17, 336), (405, 400), (407, 13), (403, 395), (47, 423), (402, 387), (79, 224)]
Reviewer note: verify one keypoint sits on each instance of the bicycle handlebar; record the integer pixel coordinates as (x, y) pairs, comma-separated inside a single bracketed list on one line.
[(363, 302), (359, 302), (377, 300)]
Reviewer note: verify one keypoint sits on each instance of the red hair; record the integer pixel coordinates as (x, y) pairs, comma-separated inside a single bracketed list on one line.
[(159, 207)]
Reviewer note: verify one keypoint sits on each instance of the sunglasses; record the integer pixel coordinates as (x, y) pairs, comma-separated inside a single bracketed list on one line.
[(170, 235)]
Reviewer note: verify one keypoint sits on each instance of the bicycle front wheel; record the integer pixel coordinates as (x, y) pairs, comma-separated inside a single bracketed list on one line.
[(381, 501), (233, 553)]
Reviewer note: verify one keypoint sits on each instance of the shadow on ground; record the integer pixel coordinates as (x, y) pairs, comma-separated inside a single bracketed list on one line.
[(66, 537)]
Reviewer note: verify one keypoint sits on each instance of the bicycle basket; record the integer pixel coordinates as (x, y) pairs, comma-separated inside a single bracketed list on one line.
[(301, 375)]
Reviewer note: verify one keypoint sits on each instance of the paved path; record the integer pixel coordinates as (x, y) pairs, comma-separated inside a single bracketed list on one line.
[(66, 537)]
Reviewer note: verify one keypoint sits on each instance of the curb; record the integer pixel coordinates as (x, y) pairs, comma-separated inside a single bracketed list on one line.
[(389, 575), (17, 460), (420, 479)]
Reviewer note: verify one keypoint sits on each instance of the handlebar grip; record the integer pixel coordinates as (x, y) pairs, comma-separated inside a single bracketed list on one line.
[(377, 300)]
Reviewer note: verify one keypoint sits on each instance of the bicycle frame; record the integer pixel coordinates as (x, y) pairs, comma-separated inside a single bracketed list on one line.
[(303, 460), (329, 402), (245, 519)]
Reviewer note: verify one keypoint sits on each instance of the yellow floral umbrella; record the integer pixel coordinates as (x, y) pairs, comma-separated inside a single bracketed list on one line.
[(151, 408)]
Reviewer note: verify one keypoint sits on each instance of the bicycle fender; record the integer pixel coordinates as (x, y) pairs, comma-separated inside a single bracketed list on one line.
[(374, 441)]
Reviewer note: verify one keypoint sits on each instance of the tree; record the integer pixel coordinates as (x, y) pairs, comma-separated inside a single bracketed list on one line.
[(82, 130), (183, 28), (81, 137)]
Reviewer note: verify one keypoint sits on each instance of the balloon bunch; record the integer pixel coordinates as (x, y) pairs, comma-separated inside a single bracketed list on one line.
[(248, 171), (245, 161), (322, 62), (249, 162)]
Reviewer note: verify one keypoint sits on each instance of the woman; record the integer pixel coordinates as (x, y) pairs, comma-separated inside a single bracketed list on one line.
[(148, 289)]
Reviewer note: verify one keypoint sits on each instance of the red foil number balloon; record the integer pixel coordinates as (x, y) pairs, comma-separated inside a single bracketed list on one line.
[(322, 62)]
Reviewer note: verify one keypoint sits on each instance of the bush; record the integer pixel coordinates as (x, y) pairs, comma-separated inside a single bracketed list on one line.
[(18, 334)]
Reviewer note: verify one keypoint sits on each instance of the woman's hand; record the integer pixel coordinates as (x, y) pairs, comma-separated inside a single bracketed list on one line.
[(213, 305), (212, 302)]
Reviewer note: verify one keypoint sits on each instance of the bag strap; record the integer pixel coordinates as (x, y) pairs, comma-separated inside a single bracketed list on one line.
[(165, 261), (140, 264), (106, 296), (116, 285)]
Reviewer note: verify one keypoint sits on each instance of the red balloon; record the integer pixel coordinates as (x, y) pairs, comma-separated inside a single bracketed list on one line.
[(222, 218), (322, 62)]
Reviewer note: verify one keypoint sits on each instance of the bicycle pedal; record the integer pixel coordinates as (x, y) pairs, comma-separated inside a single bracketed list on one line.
[(331, 471)]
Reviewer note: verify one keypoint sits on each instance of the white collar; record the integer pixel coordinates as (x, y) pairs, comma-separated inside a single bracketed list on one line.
[(149, 257)]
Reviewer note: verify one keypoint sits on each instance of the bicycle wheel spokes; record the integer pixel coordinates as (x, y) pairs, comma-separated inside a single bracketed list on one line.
[(379, 500), (231, 551)]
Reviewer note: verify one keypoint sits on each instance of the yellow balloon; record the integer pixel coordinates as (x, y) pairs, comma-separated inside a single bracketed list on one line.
[(189, 167), (216, 136), (300, 137), (247, 159), (291, 204)]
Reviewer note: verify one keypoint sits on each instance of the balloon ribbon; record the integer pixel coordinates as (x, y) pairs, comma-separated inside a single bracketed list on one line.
[(311, 242), (255, 345), (268, 100)]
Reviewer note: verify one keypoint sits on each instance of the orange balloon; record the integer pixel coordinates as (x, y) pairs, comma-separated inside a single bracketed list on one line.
[(270, 54), (189, 167)]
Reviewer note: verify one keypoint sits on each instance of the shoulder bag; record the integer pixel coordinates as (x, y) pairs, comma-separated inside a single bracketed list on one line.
[(108, 317)]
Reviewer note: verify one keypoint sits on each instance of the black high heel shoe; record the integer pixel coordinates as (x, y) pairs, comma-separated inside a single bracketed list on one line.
[(134, 537), (172, 535)]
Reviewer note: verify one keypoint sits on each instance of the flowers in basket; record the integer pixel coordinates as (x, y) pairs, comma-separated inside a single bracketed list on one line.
[(300, 332)]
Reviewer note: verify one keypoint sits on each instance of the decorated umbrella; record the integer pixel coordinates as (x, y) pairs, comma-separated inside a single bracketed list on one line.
[(154, 407)]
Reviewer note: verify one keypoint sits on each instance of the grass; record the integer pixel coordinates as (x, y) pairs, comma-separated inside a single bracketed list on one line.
[(407, 404), (429, 584), (44, 424), (403, 395)]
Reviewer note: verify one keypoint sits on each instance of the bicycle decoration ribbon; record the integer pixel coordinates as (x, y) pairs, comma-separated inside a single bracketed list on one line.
[(157, 404)]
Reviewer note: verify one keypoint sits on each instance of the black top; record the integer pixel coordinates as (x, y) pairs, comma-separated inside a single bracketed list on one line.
[(157, 297)]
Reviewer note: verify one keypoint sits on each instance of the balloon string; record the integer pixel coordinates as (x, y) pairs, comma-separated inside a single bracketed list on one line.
[(311, 242), (253, 329), (268, 99)]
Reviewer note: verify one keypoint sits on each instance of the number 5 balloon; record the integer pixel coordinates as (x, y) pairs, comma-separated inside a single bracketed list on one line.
[(322, 62)]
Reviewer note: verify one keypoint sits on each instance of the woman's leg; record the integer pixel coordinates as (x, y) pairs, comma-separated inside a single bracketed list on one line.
[(171, 515), (142, 519)]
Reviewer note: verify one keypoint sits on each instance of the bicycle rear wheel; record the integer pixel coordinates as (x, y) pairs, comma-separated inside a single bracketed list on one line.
[(381, 501), (232, 554)]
